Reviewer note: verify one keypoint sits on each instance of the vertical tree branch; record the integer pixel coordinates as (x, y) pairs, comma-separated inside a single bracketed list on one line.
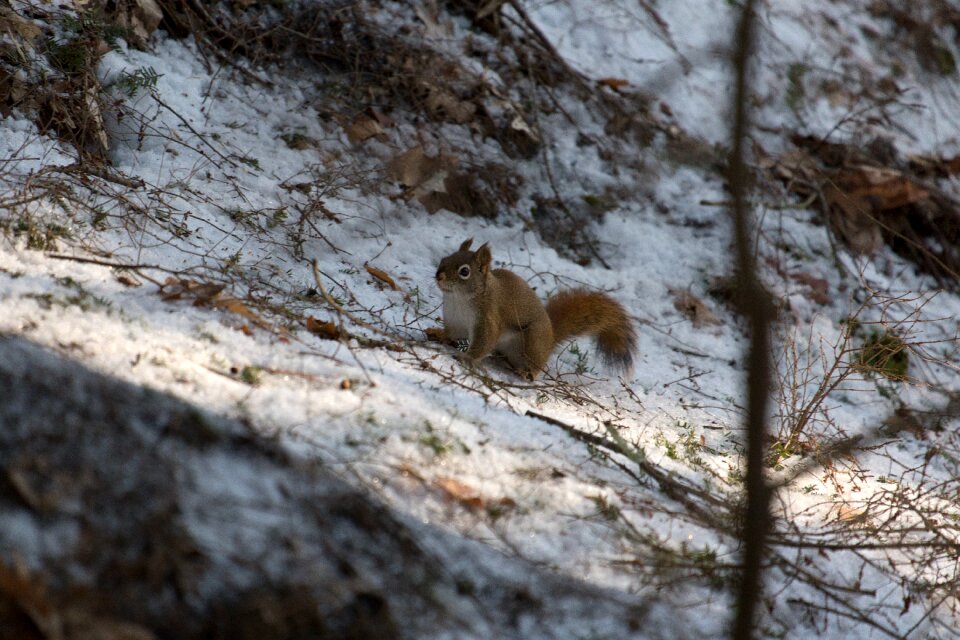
[(756, 307)]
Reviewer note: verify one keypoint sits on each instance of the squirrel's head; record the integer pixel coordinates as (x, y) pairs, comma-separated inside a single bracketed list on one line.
[(464, 271)]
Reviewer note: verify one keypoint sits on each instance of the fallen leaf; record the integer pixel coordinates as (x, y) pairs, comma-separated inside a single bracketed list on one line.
[(363, 127), (381, 275), (693, 308), (415, 169), (127, 280), (884, 189), (926, 166), (459, 492), (819, 288), (430, 17), (208, 294), (443, 102), (858, 194), (380, 117), (10, 21), (146, 17), (470, 498), (235, 306), (323, 328), (433, 182), (614, 83), (851, 514), (177, 289)]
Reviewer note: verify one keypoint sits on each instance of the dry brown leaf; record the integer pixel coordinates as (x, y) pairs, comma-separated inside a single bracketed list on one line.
[(853, 219), (178, 289), (872, 189), (10, 21), (384, 120), (819, 288), (693, 308), (932, 165), (459, 492), (851, 514), (381, 275), (614, 83), (432, 181), (793, 165), (469, 497), (443, 102), (414, 168), (323, 328), (208, 294), (146, 17), (858, 194), (363, 127), (127, 280), (885, 189), (236, 306)]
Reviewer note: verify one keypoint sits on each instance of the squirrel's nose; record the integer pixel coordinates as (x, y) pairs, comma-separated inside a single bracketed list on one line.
[(440, 277)]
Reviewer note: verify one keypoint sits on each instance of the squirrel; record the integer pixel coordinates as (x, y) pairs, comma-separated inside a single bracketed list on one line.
[(495, 310)]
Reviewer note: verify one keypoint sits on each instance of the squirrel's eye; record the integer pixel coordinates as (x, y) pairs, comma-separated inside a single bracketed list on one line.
[(463, 272)]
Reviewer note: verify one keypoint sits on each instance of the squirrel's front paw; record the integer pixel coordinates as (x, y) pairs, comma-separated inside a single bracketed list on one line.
[(528, 374), (461, 345)]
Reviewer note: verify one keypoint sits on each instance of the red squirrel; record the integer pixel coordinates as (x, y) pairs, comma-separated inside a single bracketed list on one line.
[(495, 310)]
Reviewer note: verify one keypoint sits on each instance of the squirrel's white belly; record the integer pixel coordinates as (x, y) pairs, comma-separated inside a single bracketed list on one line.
[(459, 317), (508, 342)]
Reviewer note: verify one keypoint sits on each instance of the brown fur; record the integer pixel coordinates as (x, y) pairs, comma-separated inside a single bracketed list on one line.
[(497, 310), (578, 312)]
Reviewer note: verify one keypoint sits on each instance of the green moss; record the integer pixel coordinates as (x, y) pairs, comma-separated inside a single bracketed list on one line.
[(251, 375), (884, 353), (434, 443)]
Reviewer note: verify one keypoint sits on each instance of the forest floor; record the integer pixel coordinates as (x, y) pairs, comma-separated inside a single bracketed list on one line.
[(243, 209)]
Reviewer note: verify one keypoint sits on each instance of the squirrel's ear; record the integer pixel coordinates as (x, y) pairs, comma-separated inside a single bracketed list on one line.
[(466, 245), (483, 256)]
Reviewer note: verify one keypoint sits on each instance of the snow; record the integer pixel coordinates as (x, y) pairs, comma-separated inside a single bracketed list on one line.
[(403, 426)]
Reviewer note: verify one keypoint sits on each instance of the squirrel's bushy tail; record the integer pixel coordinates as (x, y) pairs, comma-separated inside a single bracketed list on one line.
[(578, 312)]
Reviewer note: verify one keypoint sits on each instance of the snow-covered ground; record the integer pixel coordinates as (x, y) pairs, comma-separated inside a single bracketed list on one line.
[(224, 204)]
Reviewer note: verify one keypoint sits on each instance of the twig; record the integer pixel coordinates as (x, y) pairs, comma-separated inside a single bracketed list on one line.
[(108, 263), (99, 172)]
